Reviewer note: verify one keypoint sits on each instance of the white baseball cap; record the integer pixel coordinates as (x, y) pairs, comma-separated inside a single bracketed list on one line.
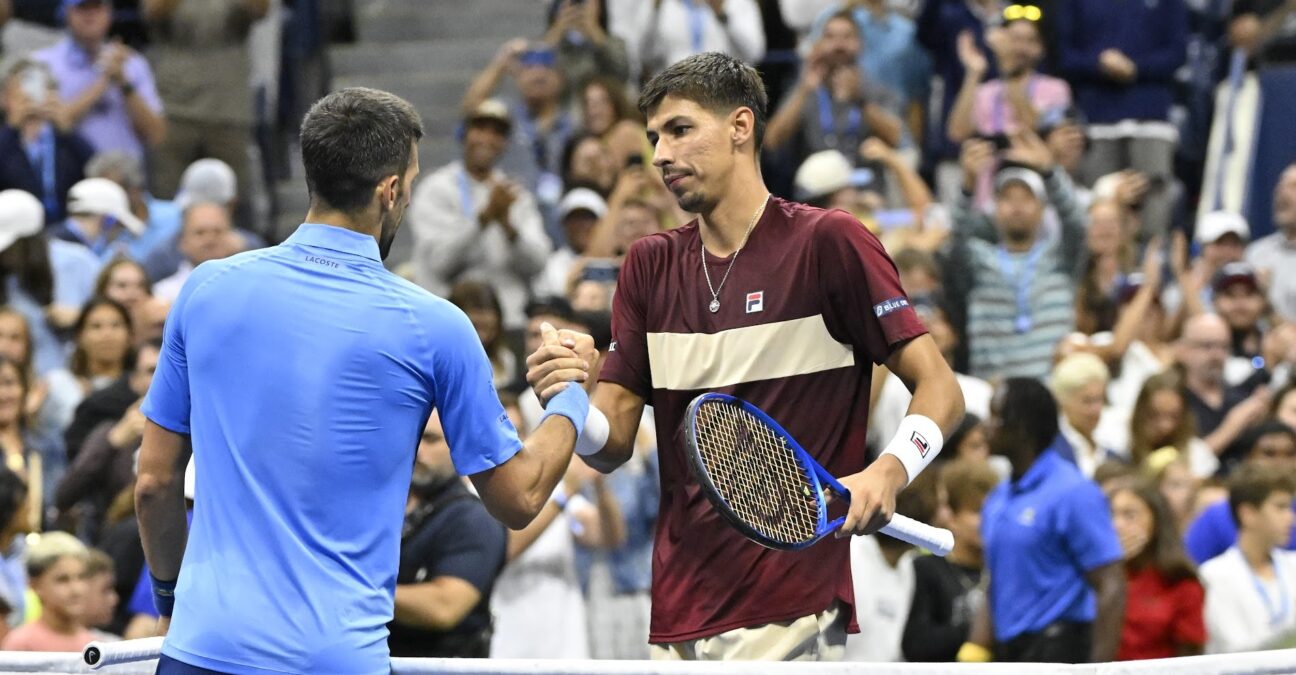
[(102, 197), (1031, 179), (826, 172), (1216, 224), (21, 215), (207, 180), (579, 199)]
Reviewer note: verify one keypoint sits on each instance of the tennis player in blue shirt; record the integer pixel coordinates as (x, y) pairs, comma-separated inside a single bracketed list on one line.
[(304, 375)]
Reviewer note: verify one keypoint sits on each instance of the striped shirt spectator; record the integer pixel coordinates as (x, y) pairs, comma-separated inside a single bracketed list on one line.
[(1019, 284)]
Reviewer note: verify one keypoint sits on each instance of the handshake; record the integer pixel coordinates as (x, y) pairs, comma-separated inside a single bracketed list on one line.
[(564, 356)]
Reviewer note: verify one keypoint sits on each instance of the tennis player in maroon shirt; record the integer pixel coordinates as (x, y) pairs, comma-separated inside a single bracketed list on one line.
[(775, 302)]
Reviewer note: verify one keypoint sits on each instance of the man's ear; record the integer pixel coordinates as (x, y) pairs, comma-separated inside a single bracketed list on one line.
[(742, 122)]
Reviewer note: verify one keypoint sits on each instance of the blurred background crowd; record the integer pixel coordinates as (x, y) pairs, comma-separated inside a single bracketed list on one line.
[(1093, 194)]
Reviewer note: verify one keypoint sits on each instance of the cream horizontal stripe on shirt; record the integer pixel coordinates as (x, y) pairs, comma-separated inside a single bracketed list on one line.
[(689, 361)]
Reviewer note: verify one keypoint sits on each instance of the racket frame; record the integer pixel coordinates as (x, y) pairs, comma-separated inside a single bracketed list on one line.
[(818, 476)]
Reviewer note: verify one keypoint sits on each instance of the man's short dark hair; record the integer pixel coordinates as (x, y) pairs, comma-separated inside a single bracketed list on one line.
[(1029, 413), (351, 140), (1252, 484), (715, 81)]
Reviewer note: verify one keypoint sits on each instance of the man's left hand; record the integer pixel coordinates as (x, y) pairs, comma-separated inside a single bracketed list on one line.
[(873, 495)]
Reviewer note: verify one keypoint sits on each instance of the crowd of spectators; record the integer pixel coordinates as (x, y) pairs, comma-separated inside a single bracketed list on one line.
[(1124, 477)]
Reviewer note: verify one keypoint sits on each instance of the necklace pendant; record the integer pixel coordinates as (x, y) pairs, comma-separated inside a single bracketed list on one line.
[(714, 306)]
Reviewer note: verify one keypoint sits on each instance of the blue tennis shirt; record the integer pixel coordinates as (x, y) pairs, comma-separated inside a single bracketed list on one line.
[(304, 374), (1042, 534)]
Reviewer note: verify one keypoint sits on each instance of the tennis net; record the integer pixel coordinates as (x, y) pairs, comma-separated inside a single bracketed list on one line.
[(139, 657)]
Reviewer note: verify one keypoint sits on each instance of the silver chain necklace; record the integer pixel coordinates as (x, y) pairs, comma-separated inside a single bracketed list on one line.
[(715, 292)]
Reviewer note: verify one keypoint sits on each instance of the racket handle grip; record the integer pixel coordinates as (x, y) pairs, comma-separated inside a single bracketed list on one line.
[(935, 539)]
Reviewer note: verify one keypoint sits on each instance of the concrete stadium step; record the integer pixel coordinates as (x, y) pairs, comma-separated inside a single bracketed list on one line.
[(388, 21), (464, 56)]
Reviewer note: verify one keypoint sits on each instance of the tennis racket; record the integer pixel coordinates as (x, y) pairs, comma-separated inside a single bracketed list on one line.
[(767, 486)]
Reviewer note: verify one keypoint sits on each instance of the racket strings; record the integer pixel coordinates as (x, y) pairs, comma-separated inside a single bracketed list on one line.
[(757, 474)]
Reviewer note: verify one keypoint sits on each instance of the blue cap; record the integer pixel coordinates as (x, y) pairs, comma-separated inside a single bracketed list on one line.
[(69, 4), (538, 57)]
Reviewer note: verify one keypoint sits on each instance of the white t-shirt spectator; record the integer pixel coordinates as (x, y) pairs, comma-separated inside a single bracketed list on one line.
[(1244, 612), (450, 245), (883, 595), (682, 28)]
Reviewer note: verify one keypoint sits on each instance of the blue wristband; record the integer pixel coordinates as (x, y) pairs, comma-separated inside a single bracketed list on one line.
[(163, 595), (572, 403)]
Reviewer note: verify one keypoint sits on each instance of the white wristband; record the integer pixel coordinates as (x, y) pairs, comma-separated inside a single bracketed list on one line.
[(917, 442), (595, 434)]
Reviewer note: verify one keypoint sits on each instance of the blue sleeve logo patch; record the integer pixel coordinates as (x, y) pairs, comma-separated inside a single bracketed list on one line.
[(887, 306)]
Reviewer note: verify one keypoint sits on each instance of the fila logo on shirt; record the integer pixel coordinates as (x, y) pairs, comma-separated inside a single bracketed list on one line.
[(755, 302)]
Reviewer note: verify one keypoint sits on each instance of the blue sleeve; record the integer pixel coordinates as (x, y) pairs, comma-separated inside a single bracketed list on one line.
[(476, 427), (167, 400), (1210, 534), (473, 546), (1088, 533), (75, 269), (141, 601), (141, 77)]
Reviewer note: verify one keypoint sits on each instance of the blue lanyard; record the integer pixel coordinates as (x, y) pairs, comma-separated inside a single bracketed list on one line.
[(828, 123), (465, 196), (540, 142), (998, 115), (697, 23), (1277, 615), (41, 154), (1021, 280)]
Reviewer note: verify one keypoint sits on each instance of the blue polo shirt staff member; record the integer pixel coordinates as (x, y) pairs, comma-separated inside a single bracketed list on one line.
[(1057, 586), (304, 375)]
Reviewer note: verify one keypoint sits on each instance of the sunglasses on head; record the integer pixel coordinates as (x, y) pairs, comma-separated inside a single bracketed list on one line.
[(1022, 12)]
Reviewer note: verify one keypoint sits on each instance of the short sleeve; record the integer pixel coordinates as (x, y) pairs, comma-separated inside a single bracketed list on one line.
[(75, 269), (167, 402), (865, 305), (477, 428), (141, 78), (627, 358), (1209, 535), (472, 546), (1189, 625), (1086, 529)]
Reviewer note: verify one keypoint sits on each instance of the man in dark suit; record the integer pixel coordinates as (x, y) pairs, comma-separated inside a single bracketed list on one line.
[(35, 155)]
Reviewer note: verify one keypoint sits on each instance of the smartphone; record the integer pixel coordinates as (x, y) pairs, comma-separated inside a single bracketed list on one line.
[(1001, 141)]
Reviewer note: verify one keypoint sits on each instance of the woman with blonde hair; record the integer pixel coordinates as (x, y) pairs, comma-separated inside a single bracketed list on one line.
[(1079, 382)]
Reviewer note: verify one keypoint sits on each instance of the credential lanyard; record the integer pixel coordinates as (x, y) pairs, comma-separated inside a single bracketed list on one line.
[(1021, 278), (828, 123)]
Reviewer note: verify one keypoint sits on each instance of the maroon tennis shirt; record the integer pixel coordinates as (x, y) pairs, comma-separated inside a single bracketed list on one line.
[(812, 302)]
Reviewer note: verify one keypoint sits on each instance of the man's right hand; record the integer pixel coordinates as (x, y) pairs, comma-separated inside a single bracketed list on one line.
[(553, 366), (976, 157), (502, 196)]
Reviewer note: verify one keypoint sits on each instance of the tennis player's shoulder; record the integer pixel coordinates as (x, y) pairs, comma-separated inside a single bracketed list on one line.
[(662, 244), (834, 224), (214, 270), (422, 301)]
